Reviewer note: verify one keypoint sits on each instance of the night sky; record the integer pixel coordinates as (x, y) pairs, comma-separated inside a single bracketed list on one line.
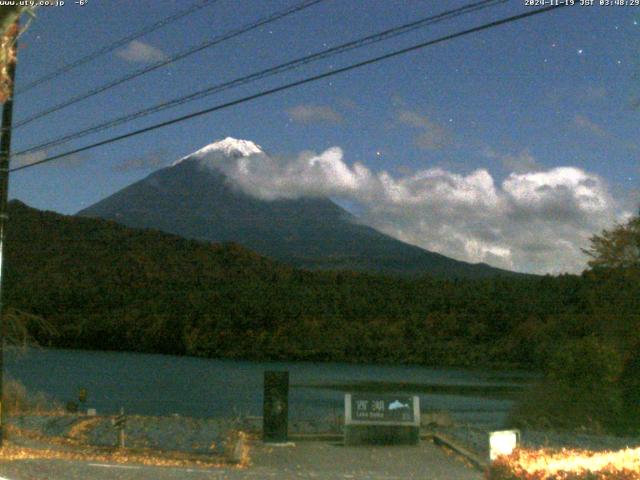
[(510, 146)]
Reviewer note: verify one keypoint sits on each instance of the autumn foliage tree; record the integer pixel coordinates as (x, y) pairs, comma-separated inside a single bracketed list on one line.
[(618, 248), (615, 255), (592, 371), (8, 34)]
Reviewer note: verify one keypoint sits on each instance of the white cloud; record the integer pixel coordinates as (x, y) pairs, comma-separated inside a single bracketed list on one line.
[(521, 162), (595, 92), (535, 222), (584, 123), (148, 160), (314, 113), (431, 137), (39, 155), (140, 52), (28, 158)]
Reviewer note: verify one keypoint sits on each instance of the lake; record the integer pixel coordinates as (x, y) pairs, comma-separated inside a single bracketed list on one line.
[(163, 385)]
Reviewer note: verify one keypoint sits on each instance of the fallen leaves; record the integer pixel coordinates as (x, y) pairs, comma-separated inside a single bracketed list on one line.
[(566, 464), (12, 452)]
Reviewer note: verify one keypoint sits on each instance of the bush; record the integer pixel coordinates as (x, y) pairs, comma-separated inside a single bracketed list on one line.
[(580, 389), (630, 388)]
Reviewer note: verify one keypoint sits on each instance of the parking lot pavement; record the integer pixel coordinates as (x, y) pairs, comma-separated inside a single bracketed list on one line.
[(304, 460)]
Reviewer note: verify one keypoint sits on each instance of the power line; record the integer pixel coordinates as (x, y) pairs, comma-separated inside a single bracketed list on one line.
[(174, 58), (297, 83), (368, 40), (200, 4)]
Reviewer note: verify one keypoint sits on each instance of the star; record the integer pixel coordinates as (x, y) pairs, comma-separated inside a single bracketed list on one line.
[(378, 153), (580, 51)]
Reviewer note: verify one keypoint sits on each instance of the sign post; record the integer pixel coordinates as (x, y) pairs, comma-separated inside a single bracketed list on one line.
[(119, 422), (381, 419), (275, 420)]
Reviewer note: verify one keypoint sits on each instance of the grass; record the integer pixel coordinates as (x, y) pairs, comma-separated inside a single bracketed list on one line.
[(17, 400)]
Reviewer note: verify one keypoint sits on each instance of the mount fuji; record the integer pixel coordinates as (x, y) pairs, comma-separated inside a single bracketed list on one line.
[(194, 199)]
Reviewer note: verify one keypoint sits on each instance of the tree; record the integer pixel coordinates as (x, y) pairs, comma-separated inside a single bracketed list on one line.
[(615, 264), (22, 328), (630, 386), (618, 248), (580, 388)]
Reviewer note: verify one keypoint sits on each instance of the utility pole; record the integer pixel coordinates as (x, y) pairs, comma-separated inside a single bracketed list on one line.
[(5, 152)]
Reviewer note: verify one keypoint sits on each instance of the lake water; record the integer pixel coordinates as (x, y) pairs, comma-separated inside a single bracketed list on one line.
[(163, 385)]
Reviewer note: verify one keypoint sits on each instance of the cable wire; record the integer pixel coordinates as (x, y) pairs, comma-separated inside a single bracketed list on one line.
[(297, 83), (284, 67), (174, 58), (200, 4)]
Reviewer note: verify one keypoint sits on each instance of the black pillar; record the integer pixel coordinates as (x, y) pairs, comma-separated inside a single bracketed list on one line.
[(275, 423)]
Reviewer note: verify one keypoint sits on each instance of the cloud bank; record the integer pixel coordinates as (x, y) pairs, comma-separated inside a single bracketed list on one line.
[(532, 221)]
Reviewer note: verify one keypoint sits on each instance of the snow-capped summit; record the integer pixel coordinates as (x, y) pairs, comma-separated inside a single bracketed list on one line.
[(232, 147), (201, 199), (229, 147)]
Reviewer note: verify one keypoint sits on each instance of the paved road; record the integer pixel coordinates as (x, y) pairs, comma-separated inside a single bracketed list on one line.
[(305, 460)]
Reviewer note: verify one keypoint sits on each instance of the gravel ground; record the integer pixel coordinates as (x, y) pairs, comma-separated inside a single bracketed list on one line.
[(192, 435), (294, 460), (208, 436), (172, 433)]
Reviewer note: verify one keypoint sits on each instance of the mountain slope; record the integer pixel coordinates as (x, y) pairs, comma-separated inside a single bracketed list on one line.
[(101, 285), (195, 201)]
